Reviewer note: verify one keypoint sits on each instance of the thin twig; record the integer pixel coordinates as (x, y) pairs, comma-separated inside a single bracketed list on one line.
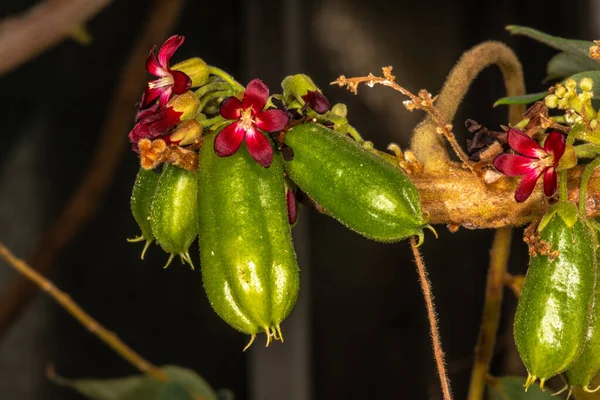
[(438, 352), (424, 101), (41, 27), (103, 165), (494, 290), (515, 283), (84, 318)]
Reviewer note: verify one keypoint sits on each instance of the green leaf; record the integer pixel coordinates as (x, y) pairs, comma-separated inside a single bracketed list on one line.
[(524, 99), (566, 64), (572, 46), (511, 388), (183, 386)]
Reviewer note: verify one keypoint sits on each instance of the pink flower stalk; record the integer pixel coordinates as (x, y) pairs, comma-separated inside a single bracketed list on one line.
[(249, 120), (169, 82), (532, 162)]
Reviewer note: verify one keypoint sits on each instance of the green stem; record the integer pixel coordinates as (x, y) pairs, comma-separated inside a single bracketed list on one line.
[(212, 87), (226, 77), (211, 121), (587, 174), (562, 184), (214, 95), (355, 135)]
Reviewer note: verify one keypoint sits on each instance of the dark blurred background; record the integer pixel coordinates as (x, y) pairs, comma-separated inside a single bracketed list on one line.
[(359, 330)]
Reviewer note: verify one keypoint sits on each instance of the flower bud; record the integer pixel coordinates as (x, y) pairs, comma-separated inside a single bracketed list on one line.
[(186, 103), (186, 133), (340, 110), (296, 86), (570, 83), (551, 101), (560, 91), (586, 84), (195, 68)]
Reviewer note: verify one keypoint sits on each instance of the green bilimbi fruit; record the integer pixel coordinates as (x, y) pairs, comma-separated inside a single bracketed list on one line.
[(552, 315), (173, 214), (248, 261), (366, 193), (141, 200), (587, 366)]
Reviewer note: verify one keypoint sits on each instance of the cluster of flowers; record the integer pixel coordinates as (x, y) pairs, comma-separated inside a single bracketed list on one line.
[(171, 112)]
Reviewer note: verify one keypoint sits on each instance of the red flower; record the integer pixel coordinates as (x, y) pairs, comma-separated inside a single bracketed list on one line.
[(169, 82), (154, 122), (534, 162), (250, 119)]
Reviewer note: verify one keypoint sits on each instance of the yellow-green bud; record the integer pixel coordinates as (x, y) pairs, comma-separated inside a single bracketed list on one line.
[(563, 103), (560, 91), (576, 105), (296, 86), (187, 103), (186, 133), (551, 101), (195, 68), (340, 110), (570, 83), (586, 84)]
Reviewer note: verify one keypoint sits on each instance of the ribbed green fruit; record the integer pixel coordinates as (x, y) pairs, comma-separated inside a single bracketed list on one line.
[(144, 187), (552, 315), (361, 190), (173, 213), (247, 258)]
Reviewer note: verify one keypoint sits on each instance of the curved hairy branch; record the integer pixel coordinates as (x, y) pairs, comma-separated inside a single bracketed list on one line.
[(427, 144), (41, 27), (454, 197)]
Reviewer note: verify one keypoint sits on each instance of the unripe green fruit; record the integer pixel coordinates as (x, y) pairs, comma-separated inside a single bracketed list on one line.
[(361, 190), (247, 258), (173, 213), (587, 366), (552, 315), (141, 200)]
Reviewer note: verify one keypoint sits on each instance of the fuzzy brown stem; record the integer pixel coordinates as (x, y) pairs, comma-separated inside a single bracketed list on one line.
[(456, 197), (41, 27), (84, 318), (427, 143), (102, 167), (438, 352), (491, 312)]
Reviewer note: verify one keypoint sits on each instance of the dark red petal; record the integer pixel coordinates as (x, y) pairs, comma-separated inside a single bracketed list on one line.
[(550, 182), (231, 108), (168, 49), (162, 122), (181, 82), (271, 120), (513, 165), (292, 207), (228, 141), (526, 186), (259, 147), (139, 131), (256, 96), (151, 94), (153, 67), (165, 95), (316, 101), (555, 144), (145, 112), (525, 145)]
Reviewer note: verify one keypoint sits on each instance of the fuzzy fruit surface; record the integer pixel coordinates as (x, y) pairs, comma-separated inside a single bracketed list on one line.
[(144, 187), (364, 192), (587, 366), (552, 314), (247, 257), (173, 213)]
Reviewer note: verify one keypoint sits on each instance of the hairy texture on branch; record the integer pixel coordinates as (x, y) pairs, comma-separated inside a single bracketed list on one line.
[(438, 352), (41, 27), (484, 350), (85, 201), (427, 143), (455, 196)]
